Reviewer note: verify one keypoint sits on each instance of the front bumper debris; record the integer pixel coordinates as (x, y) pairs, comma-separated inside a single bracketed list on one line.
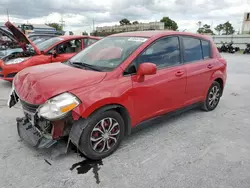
[(32, 135)]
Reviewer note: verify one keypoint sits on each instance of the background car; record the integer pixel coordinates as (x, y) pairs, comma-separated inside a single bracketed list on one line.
[(56, 49), (10, 46), (121, 81)]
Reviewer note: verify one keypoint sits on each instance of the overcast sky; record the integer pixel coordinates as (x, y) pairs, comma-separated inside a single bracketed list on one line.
[(79, 14)]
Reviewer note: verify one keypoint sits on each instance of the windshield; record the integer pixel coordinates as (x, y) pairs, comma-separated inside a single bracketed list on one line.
[(48, 43), (109, 52)]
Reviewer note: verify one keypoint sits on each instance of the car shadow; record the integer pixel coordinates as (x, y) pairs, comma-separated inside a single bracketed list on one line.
[(158, 123)]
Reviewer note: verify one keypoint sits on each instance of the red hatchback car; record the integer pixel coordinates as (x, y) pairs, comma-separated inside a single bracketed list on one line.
[(100, 94), (56, 49)]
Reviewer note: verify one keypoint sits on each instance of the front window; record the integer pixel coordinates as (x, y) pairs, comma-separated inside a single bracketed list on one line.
[(108, 53), (48, 43)]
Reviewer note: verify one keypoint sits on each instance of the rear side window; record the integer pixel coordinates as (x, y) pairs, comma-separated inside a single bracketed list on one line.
[(192, 49), (205, 49)]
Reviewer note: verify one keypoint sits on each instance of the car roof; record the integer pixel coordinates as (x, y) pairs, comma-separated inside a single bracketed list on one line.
[(67, 37), (157, 33)]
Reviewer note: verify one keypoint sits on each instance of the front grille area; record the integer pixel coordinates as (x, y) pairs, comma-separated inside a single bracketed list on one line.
[(29, 107)]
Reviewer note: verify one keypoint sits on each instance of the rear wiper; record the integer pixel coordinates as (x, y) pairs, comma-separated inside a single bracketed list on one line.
[(80, 64)]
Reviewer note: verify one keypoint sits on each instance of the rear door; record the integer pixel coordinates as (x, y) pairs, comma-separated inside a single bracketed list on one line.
[(164, 91), (199, 65)]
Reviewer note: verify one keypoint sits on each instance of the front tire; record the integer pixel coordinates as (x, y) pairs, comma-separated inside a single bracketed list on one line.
[(213, 97), (103, 135)]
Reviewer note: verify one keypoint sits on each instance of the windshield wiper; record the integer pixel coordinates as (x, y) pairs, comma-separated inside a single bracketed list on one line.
[(81, 65)]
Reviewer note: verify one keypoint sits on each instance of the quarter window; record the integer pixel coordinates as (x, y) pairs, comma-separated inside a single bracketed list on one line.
[(205, 49), (164, 53)]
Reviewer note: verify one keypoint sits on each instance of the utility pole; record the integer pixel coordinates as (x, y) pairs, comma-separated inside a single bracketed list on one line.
[(62, 22), (8, 14)]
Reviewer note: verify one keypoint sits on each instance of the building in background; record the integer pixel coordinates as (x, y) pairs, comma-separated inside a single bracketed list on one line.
[(108, 30), (246, 23), (132, 27)]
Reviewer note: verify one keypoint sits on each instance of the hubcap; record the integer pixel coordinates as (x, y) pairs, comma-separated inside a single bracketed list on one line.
[(105, 135), (214, 96)]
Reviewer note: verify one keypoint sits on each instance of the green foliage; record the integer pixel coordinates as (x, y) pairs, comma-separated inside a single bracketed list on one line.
[(225, 29), (169, 24), (125, 21), (57, 26), (135, 22), (228, 28), (84, 33), (219, 28), (205, 29)]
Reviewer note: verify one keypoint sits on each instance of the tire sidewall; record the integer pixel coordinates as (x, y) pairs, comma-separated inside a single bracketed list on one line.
[(209, 108), (85, 145)]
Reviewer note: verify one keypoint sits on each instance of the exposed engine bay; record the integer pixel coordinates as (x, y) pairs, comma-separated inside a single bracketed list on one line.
[(15, 55)]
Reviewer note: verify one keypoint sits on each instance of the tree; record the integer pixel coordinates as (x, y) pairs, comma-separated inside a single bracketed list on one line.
[(219, 28), (135, 22), (84, 33), (57, 26), (125, 21), (228, 28), (169, 24), (205, 29)]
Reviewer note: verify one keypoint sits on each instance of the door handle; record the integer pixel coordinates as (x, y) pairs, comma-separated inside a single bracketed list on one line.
[(179, 73), (210, 66)]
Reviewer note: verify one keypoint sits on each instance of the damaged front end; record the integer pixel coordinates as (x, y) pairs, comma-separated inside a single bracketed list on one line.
[(37, 130)]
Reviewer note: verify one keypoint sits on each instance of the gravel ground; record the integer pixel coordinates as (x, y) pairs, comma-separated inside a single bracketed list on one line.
[(196, 149)]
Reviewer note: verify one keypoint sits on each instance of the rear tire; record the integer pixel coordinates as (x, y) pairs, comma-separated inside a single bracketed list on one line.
[(213, 97), (103, 135)]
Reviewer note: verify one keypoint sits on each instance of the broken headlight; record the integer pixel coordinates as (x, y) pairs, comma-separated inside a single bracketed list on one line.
[(59, 106)]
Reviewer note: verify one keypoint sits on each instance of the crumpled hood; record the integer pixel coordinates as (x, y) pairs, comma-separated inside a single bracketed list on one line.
[(37, 84)]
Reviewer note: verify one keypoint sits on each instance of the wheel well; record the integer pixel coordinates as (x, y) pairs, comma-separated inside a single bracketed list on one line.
[(121, 110), (125, 116), (220, 81)]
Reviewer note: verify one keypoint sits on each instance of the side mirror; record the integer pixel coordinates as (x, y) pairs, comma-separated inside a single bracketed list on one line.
[(146, 69)]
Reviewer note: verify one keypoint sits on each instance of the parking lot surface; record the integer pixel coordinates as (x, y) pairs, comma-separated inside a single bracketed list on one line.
[(195, 149)]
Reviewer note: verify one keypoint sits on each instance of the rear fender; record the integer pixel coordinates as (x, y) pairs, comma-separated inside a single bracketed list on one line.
[(218, 74)]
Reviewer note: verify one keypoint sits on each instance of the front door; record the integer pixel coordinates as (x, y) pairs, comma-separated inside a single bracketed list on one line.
[(66, 50), (199, 66), (165, 91)]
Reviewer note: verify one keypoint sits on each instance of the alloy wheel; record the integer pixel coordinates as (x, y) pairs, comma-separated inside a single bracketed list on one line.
[(105, 134), (214, 96)]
